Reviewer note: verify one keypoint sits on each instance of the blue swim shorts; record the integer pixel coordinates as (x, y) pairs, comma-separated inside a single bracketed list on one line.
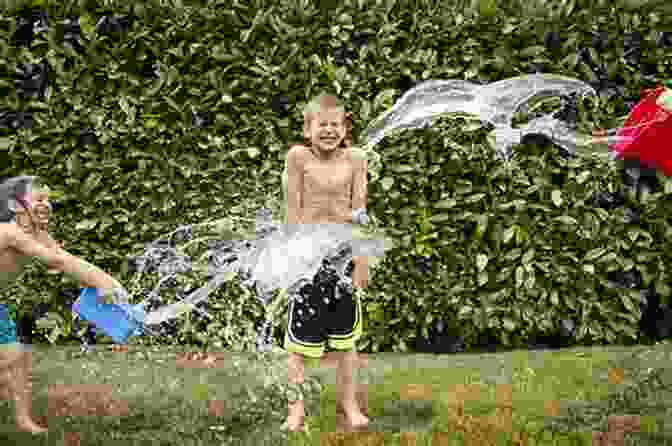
[(7, 326)]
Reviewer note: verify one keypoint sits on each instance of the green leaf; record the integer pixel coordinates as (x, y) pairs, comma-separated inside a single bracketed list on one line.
[(529, 255), (481, 261), (509, 233), (555, 300), (151, 123), (627, 302), (513, 254), (662, 288), (387, 183), (463, 187), (530, 282), (125, 106), (509, 325), (465, 311), (509, 28), (595, 254), (556, 197), (590, 269), (86, 225), (521, 235), (566, 219), (483, 278), (403, 168), (481, 226), (520, 276), (440, 218), (474, 198), (6, 142), (172, 104), (445, 204), (583, 176), (532, 51), (253, 152)]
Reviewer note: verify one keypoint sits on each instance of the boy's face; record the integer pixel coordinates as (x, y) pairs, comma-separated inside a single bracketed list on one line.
[(328, 130), (39, 209)]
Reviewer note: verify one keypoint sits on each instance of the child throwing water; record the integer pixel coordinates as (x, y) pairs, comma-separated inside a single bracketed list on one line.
[(24, 211), (326, 183)]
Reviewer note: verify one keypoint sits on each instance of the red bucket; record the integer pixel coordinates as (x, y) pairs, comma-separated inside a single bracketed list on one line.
[(646, 134)]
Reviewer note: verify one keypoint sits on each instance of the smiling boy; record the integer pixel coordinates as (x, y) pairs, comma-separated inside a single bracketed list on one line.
[(326, 183)]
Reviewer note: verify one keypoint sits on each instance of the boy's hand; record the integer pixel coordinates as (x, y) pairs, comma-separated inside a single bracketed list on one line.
[(360, 272), (665, 100), (114, 296)]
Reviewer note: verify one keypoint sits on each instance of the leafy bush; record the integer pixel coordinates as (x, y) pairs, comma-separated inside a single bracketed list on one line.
[(147, 117)]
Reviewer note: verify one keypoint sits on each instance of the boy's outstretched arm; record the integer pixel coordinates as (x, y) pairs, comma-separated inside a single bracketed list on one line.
[(60, 259)]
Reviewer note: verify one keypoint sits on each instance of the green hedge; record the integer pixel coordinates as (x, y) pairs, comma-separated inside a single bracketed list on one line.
[(151, 169)]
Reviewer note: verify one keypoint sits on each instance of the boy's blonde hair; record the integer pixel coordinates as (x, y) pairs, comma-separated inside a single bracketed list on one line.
[(326, 102)]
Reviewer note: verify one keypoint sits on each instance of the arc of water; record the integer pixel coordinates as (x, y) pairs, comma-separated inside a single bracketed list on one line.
[(494, 103)]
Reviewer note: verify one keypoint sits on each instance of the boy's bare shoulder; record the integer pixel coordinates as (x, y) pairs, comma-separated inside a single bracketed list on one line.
[(298, 148), (298, 153)]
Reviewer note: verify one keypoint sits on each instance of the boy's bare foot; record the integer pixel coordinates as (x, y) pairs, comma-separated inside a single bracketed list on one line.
[(355, 418), (28, 425)]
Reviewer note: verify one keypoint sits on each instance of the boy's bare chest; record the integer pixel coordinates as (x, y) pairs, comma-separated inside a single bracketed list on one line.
[(328, 178)]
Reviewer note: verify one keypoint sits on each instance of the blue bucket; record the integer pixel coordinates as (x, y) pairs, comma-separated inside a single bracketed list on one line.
[(118, 321)]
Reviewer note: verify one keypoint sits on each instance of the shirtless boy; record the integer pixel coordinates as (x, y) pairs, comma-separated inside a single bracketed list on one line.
[(326, 184), (24, 212)]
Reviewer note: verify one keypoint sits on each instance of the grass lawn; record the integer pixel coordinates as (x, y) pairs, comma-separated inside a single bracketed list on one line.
[(412, 399)]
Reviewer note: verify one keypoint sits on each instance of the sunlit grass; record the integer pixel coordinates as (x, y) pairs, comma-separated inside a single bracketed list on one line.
[(420, 394)]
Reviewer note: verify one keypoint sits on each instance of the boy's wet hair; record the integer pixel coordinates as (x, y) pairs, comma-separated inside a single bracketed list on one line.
[(12, 192), (326, 102)]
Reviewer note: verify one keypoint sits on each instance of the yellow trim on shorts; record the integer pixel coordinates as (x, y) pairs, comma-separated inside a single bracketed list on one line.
[(349, 341), (337, 342), (312, 350)]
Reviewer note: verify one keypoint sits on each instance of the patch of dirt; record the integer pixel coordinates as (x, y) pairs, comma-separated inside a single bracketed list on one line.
[(200, 360), (416, 392), (616, 376), (352, 438), (84, 400), (119, 348), (71, 439), (619, 425)]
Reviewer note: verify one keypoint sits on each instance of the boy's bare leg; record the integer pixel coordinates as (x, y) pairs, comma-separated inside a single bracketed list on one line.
[(346, 389), (296, 409), (16, 378)]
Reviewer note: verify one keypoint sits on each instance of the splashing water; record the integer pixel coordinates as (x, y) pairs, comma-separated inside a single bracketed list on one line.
[(280, 257), (495, 104)]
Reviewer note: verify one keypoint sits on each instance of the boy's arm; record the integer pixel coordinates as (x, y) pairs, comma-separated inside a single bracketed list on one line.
[(359, 182), (665, 100), (360, 273), (59, 259), (294, 167)]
